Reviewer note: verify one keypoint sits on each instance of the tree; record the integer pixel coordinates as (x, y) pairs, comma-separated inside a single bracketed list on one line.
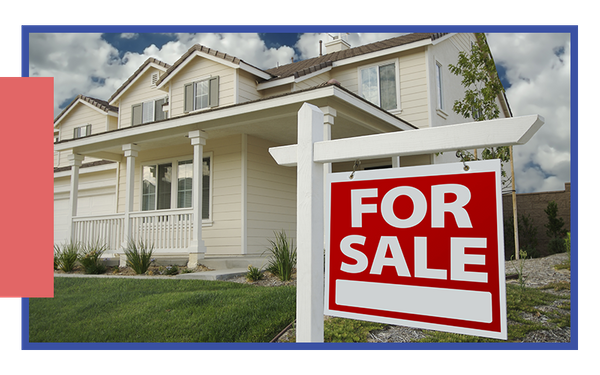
[(554, 228), (482, 87)]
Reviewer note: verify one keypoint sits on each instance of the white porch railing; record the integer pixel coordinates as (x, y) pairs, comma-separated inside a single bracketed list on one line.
[(108, 229), (165, 229), (170, 229)]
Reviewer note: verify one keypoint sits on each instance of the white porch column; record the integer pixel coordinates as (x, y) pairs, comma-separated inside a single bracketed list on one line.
[(310, 231), (75, 161), (131, 152), (197, 249)]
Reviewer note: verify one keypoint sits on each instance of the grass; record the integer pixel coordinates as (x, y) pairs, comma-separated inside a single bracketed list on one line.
[(126, 310)]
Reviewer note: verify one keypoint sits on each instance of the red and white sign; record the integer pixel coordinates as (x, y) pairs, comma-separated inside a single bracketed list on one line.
[(418, 246)]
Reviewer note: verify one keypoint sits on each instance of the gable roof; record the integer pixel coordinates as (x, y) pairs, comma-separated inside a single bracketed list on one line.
[(200, 49), (99, 104), (134, 76), (297, 69)]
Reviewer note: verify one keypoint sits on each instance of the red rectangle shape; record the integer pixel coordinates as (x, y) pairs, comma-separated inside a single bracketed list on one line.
[(26, 252), (418, 246)]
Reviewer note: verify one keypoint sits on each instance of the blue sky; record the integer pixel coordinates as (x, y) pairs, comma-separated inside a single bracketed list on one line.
[(534, 67)]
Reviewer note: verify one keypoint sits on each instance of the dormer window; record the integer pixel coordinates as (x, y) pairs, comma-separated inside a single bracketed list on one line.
[(82, 131), (149, 111), (201, 94)]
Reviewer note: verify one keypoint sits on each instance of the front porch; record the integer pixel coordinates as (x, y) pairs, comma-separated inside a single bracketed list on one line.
[(170, 232), (250, 196)]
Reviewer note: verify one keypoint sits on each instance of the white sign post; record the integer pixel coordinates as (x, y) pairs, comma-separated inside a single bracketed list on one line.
[(309, 156)]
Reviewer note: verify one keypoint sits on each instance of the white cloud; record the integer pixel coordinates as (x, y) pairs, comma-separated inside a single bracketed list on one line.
[(129, 35), (538, 69), (79, 63), (73, 59)]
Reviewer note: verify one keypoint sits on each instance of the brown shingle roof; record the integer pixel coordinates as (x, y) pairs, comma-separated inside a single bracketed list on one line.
[(298, 68), (101, 104)]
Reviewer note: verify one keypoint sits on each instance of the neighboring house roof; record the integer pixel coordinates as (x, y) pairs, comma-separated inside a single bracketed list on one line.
[(97, 103), (135, 75), (303, 67)]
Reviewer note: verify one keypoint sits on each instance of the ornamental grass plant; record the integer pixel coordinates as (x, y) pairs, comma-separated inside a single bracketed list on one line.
[(139, 256), (89, 258), (66, 255), (282, 260)]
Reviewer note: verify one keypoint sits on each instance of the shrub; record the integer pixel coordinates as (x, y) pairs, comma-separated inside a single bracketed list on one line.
[(90, 258), (139, 256), (254, 274), (66, 255), (282, 261), (555, 230), (527, 237), (169, 270)]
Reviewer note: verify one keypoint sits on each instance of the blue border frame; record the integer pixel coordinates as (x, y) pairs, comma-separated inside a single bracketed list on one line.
[(573, 30)]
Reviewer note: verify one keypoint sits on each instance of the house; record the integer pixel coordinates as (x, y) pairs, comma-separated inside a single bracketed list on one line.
[(129, 167)]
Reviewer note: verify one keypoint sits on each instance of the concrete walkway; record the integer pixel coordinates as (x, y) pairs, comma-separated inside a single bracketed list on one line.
[(224, 268)]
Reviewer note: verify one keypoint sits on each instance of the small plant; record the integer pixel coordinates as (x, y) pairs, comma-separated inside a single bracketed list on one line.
[(90, 258), (139, 256), (520, 266), (254, 274), (169, 270), (66, 255), (282, 261)]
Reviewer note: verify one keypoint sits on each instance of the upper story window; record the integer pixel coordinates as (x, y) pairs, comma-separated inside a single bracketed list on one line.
[(201, 94), (82, 131), (149, 111), (379, 85), (439, 85)]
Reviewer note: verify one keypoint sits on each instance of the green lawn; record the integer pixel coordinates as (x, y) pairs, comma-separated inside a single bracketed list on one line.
[(130, 310)]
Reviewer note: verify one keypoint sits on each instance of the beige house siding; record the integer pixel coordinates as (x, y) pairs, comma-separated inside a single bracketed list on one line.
[(313, 81), (247, 87), (413, 88), (224, 236), (271, 197), (80, 115)]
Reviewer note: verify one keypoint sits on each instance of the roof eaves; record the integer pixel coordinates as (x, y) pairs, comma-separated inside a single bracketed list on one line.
[(98, 103), (324, 84)]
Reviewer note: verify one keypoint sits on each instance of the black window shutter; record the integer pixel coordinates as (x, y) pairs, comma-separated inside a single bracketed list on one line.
[(136, 114), (213, 99), (188, 102)]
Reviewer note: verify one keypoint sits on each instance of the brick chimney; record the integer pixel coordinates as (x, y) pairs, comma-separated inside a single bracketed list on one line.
[(337, 42)]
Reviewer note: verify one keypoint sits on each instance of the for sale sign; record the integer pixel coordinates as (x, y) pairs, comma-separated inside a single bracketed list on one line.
[(418, 246)]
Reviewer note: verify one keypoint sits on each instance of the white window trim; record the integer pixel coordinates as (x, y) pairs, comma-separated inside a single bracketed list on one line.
[(83, 127), (174, 177), (153, 101), (440, 108), (193, 82), (396, 63)]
